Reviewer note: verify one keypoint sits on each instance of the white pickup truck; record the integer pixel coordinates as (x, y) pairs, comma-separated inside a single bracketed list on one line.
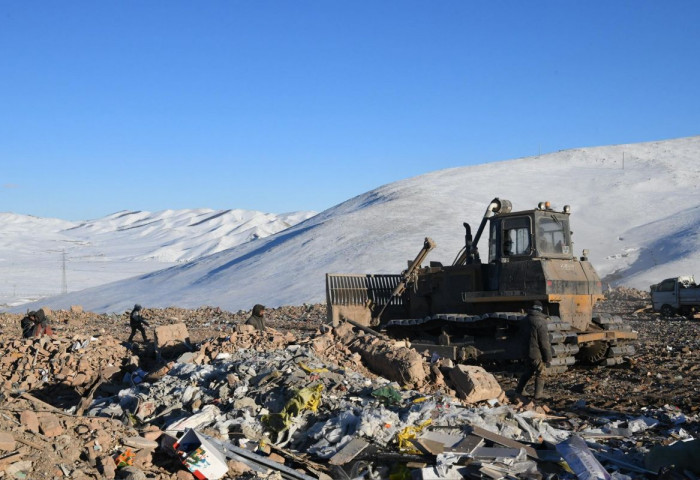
[(676, 295)]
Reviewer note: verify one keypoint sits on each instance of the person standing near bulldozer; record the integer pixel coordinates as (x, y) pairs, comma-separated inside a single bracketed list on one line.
[(539, 350), (136, 322)]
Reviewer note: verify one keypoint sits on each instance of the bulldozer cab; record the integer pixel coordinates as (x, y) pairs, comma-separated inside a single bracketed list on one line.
[(525, 235)]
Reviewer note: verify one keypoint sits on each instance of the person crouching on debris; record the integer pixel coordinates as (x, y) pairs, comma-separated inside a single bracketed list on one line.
[(539, 350), (257, 318), (42, 327), (136, 322), (35, 324), (28, 323)]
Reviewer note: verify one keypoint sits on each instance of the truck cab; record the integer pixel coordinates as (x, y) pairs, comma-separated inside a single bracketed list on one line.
[(676, 295)]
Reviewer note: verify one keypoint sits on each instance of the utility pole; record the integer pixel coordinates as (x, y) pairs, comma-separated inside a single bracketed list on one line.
[(64, 284), (623, 160)]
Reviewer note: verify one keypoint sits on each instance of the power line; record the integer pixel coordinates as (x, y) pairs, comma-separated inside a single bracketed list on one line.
[(64, 284)]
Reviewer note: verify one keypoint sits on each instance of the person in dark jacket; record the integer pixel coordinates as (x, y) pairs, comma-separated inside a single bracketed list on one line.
[(539, 350), (257, 318), (35, 324), (136, 322), (28, 323)]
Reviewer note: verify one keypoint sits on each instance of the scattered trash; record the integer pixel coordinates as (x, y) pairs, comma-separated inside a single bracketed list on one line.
[(581, 460), (124, 459), (200, 456), (387, 395), (308, 406)]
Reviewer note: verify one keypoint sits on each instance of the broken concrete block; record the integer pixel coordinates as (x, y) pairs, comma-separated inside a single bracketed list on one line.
[(30, 421), (403, 365), (152, 435), (172, 340), (107, 467), (187, 357), (276, 458), (474, 384), (140, 443), (130, 473), (237, 469), (7, 441), (49, 425), (245, 328)]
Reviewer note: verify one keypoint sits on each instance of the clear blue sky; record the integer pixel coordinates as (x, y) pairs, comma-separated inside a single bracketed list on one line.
[(299, 105)]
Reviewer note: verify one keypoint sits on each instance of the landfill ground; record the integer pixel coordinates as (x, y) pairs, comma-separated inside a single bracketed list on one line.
[(72, 403)]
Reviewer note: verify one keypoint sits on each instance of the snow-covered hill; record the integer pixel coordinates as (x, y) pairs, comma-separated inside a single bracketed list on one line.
[(635, 207), (40, 257)]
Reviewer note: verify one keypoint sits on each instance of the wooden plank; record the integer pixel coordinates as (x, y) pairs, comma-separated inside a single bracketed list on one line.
[(447, 439), (505, 441), (495, 452), (427, 446), (468, 445), (351, 450)]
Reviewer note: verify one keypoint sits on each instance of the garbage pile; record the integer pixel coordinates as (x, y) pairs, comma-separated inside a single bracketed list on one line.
[(329, 420), (335, 404)]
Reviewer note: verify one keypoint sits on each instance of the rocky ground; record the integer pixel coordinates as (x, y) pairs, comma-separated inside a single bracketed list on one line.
[(49, 439)]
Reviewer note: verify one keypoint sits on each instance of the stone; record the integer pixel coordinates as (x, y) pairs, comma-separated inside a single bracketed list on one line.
[(49, 425), (7, 441), (172, 340), (187, 357), (140, 442), (237, 469), (152, 435), (130, 473), (184, 475), (245, 402), (29, 420), (474, 384), (276, 458), (76, 309)]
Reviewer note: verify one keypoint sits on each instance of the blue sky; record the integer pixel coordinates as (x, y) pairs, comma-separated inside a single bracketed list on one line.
[(299, 105)]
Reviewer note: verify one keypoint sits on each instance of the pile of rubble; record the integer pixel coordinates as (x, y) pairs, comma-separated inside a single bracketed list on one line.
[(75, 363), (305, 401)]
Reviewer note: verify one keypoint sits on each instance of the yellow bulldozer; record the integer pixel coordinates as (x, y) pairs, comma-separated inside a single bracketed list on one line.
[(474, 309)]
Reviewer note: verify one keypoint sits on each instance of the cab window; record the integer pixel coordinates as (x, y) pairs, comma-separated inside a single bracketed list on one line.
[(516, 236), (552, 237)]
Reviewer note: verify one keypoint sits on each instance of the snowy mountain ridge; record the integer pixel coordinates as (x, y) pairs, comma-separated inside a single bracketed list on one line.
[(635, 208)]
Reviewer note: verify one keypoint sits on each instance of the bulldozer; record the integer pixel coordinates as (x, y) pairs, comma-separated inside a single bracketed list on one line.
[(474, 310)]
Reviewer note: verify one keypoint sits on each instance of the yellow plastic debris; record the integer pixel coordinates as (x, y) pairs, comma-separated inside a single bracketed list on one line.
[(308, 369), (308, 398), (405, 436)]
